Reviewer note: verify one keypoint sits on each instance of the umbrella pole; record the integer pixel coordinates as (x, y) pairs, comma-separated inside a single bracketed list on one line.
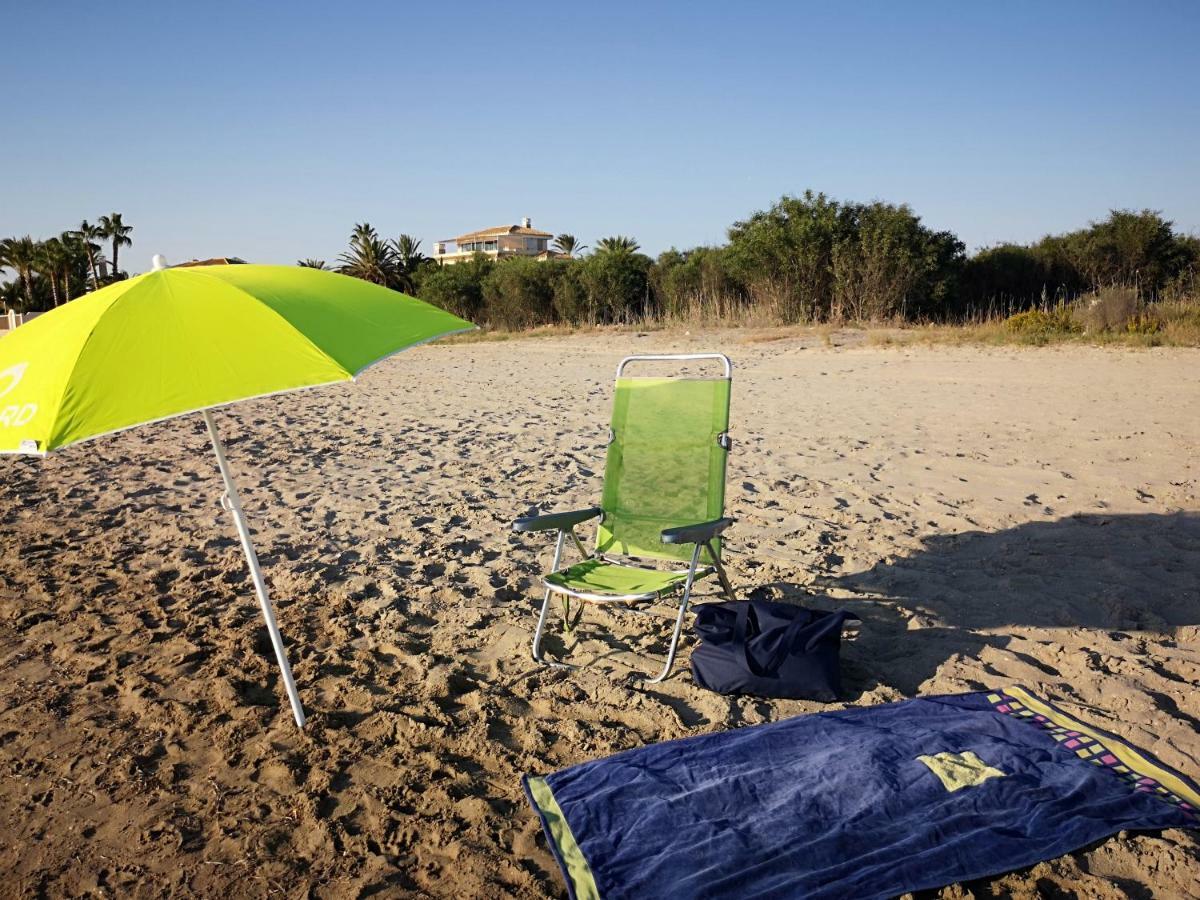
[(231, 502)]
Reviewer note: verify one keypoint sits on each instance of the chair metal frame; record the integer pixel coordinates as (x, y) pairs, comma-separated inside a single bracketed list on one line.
[(702, 535)]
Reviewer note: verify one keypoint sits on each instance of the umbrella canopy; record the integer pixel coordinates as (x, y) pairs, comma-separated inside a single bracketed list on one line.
[(182, 340)]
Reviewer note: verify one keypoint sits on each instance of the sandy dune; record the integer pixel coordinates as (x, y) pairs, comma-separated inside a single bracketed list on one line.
[(994, 516)]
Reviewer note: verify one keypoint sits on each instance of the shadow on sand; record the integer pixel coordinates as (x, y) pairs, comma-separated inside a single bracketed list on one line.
[(959, 593)]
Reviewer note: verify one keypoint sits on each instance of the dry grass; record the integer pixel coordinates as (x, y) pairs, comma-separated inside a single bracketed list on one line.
[(487, 335), (995, 334), (1109, 318)]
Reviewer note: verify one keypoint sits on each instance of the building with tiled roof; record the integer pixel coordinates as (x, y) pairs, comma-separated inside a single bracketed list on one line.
[(496, 243)]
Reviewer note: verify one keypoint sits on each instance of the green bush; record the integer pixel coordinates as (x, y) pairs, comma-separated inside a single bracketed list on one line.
[(817, 259), (1012, 277), (616, 285), (458, 288), (1139, 250), (571, 298), (519, 293), (695, 284)]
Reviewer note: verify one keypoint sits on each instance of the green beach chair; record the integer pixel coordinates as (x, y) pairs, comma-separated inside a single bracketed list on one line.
[(663, 497)]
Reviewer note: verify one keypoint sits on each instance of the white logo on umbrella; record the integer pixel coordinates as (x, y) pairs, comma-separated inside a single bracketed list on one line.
[(11, 377), (16, 414)]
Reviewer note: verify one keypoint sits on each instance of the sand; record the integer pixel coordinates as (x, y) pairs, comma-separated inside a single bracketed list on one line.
[(1005, 516)]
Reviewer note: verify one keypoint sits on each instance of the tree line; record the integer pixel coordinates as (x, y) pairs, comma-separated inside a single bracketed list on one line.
[(50, 272), (809, 258), (805, 259)]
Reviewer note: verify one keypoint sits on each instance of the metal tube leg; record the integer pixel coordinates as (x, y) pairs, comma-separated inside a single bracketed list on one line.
[(234, 505), (683, 605), (541, 625)]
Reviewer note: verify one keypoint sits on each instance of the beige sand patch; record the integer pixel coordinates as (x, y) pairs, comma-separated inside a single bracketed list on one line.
[(960, 770)]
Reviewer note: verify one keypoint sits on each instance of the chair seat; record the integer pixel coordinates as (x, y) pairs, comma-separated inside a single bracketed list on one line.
[(601, 581)]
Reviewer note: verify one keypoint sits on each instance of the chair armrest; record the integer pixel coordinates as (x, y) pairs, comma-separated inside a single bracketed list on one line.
[(695, 534), (556, 521)]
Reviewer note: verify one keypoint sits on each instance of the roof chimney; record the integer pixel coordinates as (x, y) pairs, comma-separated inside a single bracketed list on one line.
[(526, 222)]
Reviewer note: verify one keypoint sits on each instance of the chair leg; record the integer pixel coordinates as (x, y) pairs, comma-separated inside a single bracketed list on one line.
[(541, 625), (725, 585), (683, 605), (537, 634)]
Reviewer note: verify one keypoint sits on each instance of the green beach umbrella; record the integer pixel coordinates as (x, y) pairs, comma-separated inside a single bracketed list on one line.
[(186, 340)]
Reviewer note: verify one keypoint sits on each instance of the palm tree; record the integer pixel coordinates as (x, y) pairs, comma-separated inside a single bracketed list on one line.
[(49, 262), (618, 244), (567, 245), (369, 258), (311, 263), (408, 256), (77, 261), (118, 232), (362, 232), (8, 289), (21, 254), (89, 234), (408, 250), (69, 251), (10, 293)]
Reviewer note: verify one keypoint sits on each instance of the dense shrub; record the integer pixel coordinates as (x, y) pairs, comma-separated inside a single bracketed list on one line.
[(1139, 250), (1010, 277), (889, 266), (815, 259), (1130, 248), (784, 256), (616, 286), (519, 293), (696, 284), (457, 289), (570, 296)]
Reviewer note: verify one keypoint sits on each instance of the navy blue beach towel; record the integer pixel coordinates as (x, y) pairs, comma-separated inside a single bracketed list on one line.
[(862, 802)]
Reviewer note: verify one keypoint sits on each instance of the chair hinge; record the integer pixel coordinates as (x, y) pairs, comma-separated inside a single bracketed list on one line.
[(724, 441)]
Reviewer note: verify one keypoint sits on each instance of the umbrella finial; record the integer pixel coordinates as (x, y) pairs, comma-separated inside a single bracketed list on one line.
[(159, 262)]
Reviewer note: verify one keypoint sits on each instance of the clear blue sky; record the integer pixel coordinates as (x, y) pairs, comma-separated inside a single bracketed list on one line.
[(267, 130)]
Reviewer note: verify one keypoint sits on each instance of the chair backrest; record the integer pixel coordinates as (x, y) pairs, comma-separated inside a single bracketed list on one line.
[(666, 457)]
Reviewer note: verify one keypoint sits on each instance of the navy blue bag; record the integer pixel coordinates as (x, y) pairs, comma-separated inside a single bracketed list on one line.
[(769, 650)]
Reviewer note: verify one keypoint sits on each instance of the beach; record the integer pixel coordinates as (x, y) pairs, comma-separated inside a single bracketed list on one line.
[(995, 516)]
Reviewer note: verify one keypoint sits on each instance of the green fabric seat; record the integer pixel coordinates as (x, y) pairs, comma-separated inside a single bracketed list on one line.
[(597, 577)]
